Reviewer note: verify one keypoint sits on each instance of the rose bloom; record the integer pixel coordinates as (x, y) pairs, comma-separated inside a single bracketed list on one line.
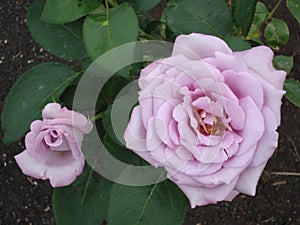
[(53, 146), (209, 117)]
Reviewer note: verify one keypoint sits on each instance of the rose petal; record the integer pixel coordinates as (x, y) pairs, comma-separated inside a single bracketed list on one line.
[(36, 126), (29, 165), (199, 46), (234, 112), (259, 59), (227, 62), (135, 133), (254, 125), (49, 142), (54, 111), (268, 142), (60, 169), (272, 99), (135, 136), (208, 106), (199, 196), (63, 169), (248, 180), (244, 84), (35, 146), (162, 120), (173, 132)]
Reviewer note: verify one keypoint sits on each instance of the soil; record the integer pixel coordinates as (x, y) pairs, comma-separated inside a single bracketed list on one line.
[(24, 200)]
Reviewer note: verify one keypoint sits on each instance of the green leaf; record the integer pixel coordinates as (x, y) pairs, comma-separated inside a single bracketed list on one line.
[(294, 8), (103, 32), (282, 62), (68, 96), (64, 11), (206, 16), (277, 33), (160, 204), (110, 90), (83, 202), (292, 89), (260, 15), (33, 90), (144, 6), (64, 40), (243, 12), (108, 127), (236, 43), (122, 153)]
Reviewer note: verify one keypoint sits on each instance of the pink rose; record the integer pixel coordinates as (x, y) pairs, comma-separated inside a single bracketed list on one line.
[(209, 117), (53, 146)]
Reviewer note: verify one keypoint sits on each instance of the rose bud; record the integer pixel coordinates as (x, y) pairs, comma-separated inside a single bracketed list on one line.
[(53, 146)]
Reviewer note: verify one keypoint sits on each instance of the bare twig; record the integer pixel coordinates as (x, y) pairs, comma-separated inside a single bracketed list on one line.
[(279, 183), (285, 173)]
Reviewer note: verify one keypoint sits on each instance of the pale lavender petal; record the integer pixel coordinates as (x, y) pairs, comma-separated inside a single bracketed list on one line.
[(199, 46), (146, 108), (227, 62), (29, 165), (249, 178), (268, 142), (241, 161), (197, 170), (54, 111), (36, 125), (227, 174), (187, 73), (135, 136), (231, 196), (272, 99), (53, 141), (244, 84), (184, 154), (36, 147), (259, 59), (185, 131), (200, 196), (228, 139), (206, 104), (135, 133), (254, 125), (60, 176), (206, 154), (173, 160), (63, 169), (152, 139), (163, 118), (173, 132), (210, 86), (233, 111)]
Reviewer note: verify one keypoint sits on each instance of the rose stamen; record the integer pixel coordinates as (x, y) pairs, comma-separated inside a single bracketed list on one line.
[(217, 128)]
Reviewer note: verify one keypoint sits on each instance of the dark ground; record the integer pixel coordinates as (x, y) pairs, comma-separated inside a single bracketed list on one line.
[(24, 200)]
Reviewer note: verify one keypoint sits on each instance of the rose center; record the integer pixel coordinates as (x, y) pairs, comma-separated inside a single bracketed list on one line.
[(54, 136), (214, 127)]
